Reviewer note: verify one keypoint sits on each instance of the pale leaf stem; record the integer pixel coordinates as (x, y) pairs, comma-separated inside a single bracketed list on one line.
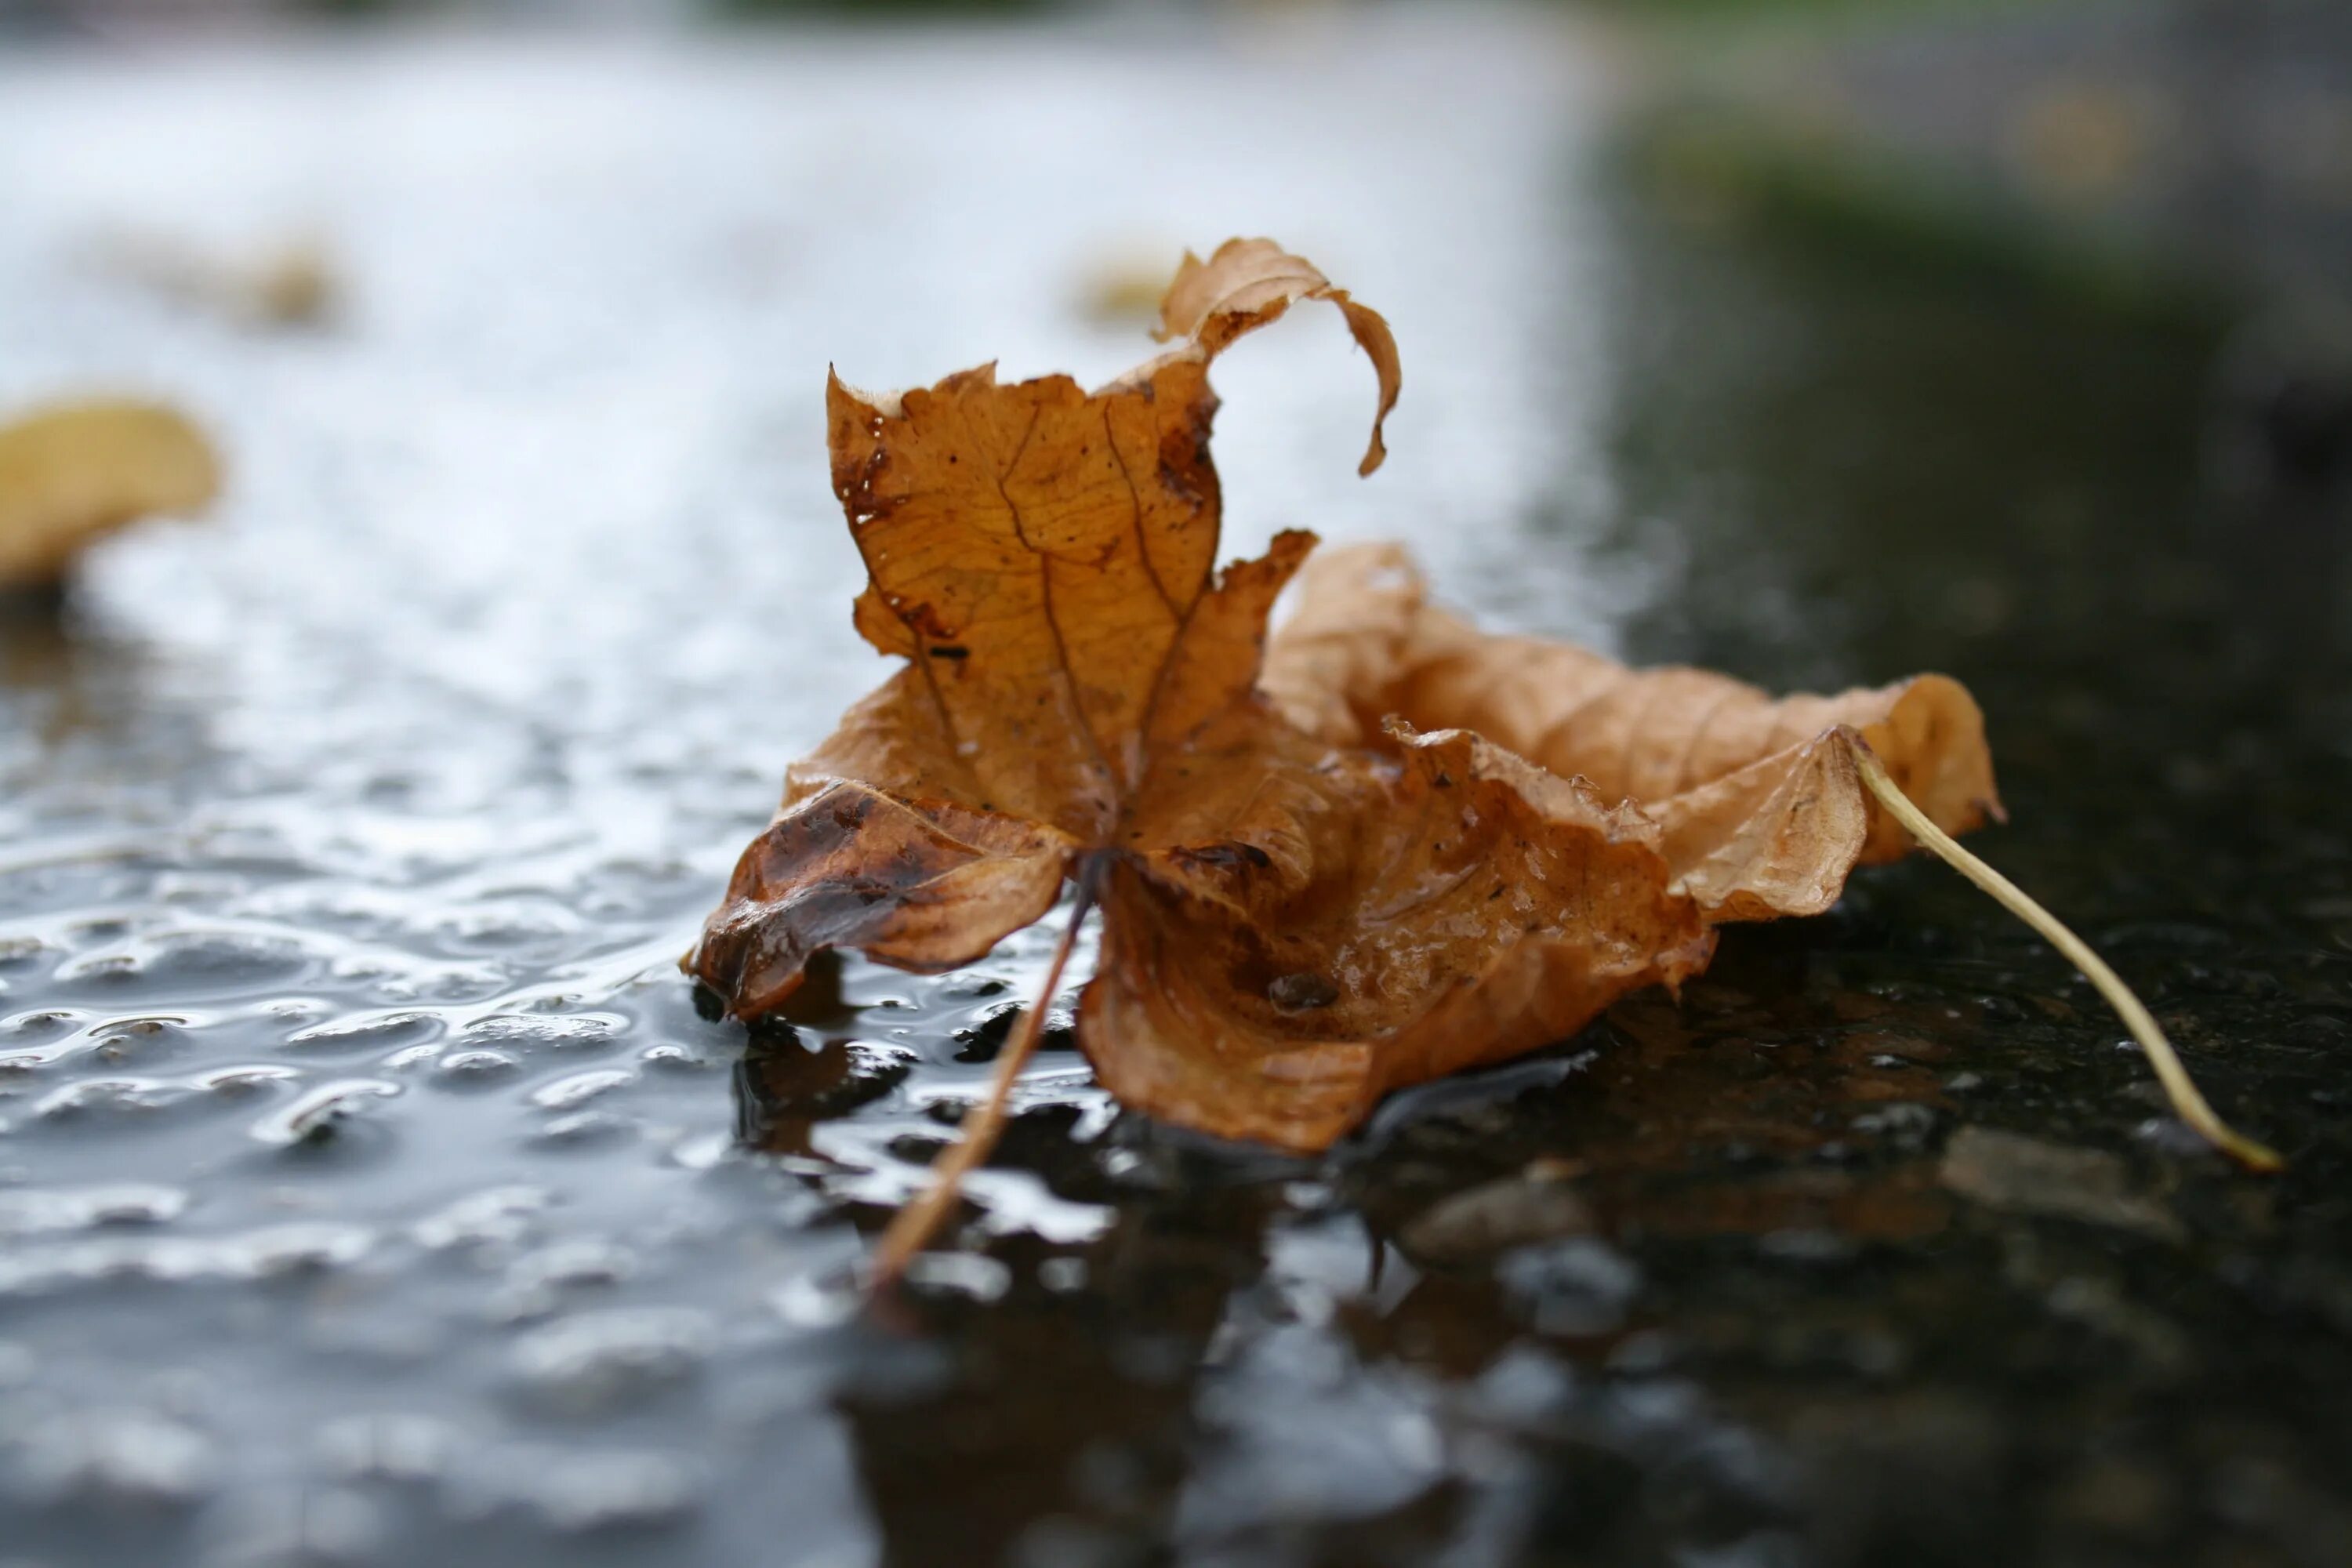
[(913, 1225), (2185, 1101)]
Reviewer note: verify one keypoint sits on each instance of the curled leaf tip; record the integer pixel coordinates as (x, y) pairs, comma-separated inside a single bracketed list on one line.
[(1248, 283)]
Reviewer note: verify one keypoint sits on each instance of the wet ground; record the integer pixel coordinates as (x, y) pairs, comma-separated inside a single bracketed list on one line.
[(371, 1189), (2142, 148)]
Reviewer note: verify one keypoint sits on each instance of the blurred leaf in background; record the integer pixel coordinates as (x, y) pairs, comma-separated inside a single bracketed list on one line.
[(71, 473)]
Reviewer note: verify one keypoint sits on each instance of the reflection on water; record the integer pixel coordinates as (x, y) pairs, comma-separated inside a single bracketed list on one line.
[(372, 1189)]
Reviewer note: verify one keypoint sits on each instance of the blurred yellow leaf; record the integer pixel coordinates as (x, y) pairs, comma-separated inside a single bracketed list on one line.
[(73, 472)]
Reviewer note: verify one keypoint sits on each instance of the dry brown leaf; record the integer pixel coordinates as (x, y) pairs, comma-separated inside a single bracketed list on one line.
[(1292, 929), (73, 472), (1762, 811), (1307, 901)]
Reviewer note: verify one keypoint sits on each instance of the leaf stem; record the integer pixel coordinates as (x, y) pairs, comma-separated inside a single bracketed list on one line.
[(2185, 1101), (913, 1225)]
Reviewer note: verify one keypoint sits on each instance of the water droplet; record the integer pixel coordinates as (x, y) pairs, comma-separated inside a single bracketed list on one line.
[(586, 1127), (232, 1082), (302, 1247), (703, 1151), (971, 1274), (497, 1214), (572, 1033), (599, 1361), (314, 1114), (315, 1527), (607, 1491), (16, 950), (580, 1088), (585, 1260), (367, 1031), (475, 1067), (1576, 1287), (387, 1446), (38, 1211), (818, 1300), (109, 1096), (112, 1459)]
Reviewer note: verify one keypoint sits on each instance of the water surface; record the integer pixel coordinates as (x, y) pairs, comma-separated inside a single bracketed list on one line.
[(372, 1189)]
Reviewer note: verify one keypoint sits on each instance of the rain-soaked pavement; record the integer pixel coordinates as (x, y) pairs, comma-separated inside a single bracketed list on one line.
[(371, 1189)]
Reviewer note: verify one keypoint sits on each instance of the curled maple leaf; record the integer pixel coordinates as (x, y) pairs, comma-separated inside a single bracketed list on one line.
[(1307, 901), (1291, 928)]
